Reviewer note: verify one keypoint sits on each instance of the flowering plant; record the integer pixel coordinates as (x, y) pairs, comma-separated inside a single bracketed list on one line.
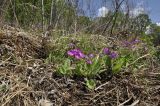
[(91, 65), (88, 65), (131, 43)]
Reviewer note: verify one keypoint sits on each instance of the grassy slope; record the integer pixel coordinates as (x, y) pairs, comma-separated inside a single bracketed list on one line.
[(25, 78)]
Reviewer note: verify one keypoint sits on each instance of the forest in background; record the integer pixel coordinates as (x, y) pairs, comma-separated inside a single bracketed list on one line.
[(69, 16)]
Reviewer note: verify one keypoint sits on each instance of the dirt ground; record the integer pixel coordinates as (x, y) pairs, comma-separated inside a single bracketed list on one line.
[(25, 79)]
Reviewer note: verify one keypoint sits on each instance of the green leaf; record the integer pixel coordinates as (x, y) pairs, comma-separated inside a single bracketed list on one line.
[(118, 65), (65, 69), (95, 67), (108, 62), (91, 84), (3, 87), (67, 63)]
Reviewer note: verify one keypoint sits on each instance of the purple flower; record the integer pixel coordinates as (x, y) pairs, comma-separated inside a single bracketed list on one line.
[(91, 55), (127, 43), (131, 43), (71, 53), (135, 41), (88, 61), (79, 55), (106, 51), (76, 53), (109, 53), (113, 55)]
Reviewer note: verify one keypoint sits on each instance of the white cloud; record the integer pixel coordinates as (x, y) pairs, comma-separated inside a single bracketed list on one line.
[(137, 11), (141, 3), (158, 23), (103, 11)]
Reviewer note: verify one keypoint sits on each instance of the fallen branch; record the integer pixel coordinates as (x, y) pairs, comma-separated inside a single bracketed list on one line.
[(139, 59)]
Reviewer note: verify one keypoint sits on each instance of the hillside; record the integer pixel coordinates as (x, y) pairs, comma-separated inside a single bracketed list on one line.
[(79, 53), (26, 79)]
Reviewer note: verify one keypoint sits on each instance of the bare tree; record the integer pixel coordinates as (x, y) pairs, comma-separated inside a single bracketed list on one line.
[(117, 3), (42, 8), (51, 15)]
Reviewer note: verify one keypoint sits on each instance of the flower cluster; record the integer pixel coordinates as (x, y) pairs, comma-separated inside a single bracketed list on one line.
[(78, 54), (130, 43), (111, 54)]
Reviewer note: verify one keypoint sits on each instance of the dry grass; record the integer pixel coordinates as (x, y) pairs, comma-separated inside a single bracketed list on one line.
[(25, 79)]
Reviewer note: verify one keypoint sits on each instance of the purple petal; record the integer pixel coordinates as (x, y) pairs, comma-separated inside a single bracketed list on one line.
[(126, 43), (77, 50), (91, 55), (106, 51), (89, 61), (77, 53), (70, 53), (81, 55), (135, 41), (113, 55), (77, 57)]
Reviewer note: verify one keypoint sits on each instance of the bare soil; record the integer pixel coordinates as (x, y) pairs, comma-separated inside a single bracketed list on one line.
[(25, 79)]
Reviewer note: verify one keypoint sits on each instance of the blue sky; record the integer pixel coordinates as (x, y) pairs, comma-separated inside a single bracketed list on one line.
[(152, 6)]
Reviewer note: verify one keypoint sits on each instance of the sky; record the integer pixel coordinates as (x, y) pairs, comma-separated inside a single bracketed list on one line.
[(154, 6), (100, 8)]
